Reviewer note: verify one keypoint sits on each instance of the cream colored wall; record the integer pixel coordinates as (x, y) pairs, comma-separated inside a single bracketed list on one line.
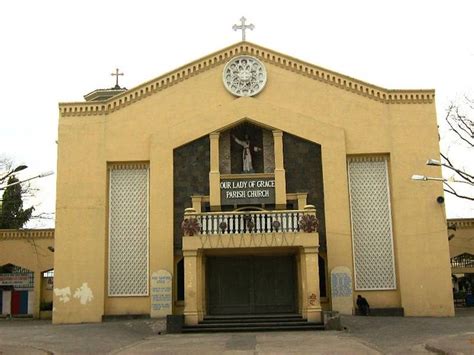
[(463, 241), (29, 249), (343, 122), (419, 223)]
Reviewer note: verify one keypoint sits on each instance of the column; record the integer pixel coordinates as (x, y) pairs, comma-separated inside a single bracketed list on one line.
[(197, 203), (191, 316), (311, 297), (214, 173), (302, 199), (37, 276), (280, 181)]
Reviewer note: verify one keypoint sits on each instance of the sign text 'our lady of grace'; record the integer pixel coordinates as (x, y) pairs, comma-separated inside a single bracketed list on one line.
[(247, 191)]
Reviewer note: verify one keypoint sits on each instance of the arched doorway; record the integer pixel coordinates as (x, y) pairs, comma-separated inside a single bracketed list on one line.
[(16, 290)]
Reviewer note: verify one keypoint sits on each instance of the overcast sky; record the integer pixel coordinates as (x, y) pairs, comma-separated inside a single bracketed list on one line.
[(57, 51)]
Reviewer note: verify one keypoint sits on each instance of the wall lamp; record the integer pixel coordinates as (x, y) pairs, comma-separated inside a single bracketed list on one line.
[(427, 178)]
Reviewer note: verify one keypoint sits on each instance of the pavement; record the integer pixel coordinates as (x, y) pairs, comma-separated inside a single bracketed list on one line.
[(363, 335)]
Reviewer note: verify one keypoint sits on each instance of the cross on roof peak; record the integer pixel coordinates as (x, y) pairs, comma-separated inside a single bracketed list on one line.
[(243, 27), (116, 74)]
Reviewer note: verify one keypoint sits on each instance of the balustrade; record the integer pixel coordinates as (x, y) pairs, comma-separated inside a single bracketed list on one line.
[(248, 222)]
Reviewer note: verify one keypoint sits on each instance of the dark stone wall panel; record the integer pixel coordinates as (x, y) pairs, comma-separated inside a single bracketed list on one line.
[(191, 165), (304, 173)]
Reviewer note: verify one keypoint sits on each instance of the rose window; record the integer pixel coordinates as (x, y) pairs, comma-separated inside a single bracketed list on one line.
[(244, 76)]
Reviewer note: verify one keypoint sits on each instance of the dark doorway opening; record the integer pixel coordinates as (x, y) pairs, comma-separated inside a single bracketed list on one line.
[(251, 285)]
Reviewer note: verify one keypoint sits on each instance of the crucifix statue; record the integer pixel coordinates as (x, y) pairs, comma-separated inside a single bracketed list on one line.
[(116, 74), (243, 27)]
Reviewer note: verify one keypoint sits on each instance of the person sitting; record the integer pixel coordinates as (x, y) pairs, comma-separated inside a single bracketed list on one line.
[(363, 305)]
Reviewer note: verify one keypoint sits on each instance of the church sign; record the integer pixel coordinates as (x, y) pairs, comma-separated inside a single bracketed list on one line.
[(247, 191), (17, 280), (161, 294)]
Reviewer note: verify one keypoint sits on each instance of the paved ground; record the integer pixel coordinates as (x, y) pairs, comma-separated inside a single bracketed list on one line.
[(364, 335)]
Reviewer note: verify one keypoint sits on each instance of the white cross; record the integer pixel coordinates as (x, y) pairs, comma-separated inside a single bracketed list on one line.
[(243, 27)]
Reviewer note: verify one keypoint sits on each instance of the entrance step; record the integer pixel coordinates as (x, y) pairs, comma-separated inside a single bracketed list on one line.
[(252, 318), (251, 323)]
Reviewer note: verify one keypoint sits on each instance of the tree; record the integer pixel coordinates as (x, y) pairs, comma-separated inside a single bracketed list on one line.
[(460, 123), (12, 215)]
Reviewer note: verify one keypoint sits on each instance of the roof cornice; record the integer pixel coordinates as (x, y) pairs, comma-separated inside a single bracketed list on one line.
[(187, 71), (9, 234), (462, 222)]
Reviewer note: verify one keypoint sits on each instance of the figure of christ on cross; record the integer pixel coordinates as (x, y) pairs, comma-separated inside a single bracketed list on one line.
[(247, 166)]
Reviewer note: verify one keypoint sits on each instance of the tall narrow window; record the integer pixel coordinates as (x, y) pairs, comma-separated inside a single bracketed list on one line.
[(371, 224), (128, 230)]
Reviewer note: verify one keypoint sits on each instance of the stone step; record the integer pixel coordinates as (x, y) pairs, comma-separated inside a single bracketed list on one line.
[(252, 319), (247, 327), (253, 324)]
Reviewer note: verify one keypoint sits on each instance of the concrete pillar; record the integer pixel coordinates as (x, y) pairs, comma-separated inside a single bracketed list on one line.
[(302, 199), (214, 173), (311, 297), (280, 180), (197, 203), (37, 293), (191, 316)]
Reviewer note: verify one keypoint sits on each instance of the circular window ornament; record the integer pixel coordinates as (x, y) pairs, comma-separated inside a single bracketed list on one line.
[(244, 76)]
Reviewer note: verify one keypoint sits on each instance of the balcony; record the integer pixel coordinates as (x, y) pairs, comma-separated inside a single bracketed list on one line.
[(250, 222)]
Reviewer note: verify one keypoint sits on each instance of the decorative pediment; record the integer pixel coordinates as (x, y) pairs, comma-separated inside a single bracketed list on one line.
[(263, 54)]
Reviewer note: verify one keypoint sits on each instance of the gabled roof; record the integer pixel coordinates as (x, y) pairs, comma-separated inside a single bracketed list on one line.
[(297, 66)]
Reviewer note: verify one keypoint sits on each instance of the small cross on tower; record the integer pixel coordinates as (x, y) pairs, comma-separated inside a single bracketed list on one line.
[(243, 27), (116, 74)]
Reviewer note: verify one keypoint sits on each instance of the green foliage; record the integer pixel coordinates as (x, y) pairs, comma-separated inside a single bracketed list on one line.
[(12, 215)]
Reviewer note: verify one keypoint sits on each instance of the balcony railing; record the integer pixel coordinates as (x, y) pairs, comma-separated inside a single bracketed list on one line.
[(465, 260), (288, 221)]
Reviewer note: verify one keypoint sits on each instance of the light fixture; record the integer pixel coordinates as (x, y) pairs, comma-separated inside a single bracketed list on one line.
[(17, 169), (48, 173), (426, 178), (433, 162)]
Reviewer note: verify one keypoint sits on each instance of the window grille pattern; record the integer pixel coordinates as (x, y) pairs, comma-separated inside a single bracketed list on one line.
[(371, 224), (128, 231)]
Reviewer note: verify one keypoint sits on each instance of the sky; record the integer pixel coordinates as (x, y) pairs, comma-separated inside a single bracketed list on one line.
[(57, 51)]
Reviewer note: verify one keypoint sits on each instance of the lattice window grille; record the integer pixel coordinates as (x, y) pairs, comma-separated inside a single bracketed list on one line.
[(128, 230), (374, 263)]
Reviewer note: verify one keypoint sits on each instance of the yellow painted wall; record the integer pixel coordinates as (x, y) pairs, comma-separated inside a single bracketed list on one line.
[(346, 116), (29, 249), (463, 240)]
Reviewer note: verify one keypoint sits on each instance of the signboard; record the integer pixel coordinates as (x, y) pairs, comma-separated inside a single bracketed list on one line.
[(247, 191), (17, 280), (161, 291), (341, 290)]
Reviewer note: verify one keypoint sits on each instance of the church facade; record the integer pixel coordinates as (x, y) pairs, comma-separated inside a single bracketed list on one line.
[(248, 182)]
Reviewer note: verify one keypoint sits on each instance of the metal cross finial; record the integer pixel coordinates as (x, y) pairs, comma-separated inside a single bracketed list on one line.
[(116, 74), (243, 27)]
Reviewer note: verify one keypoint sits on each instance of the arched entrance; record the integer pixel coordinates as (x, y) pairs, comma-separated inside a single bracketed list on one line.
[(16, 290)]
